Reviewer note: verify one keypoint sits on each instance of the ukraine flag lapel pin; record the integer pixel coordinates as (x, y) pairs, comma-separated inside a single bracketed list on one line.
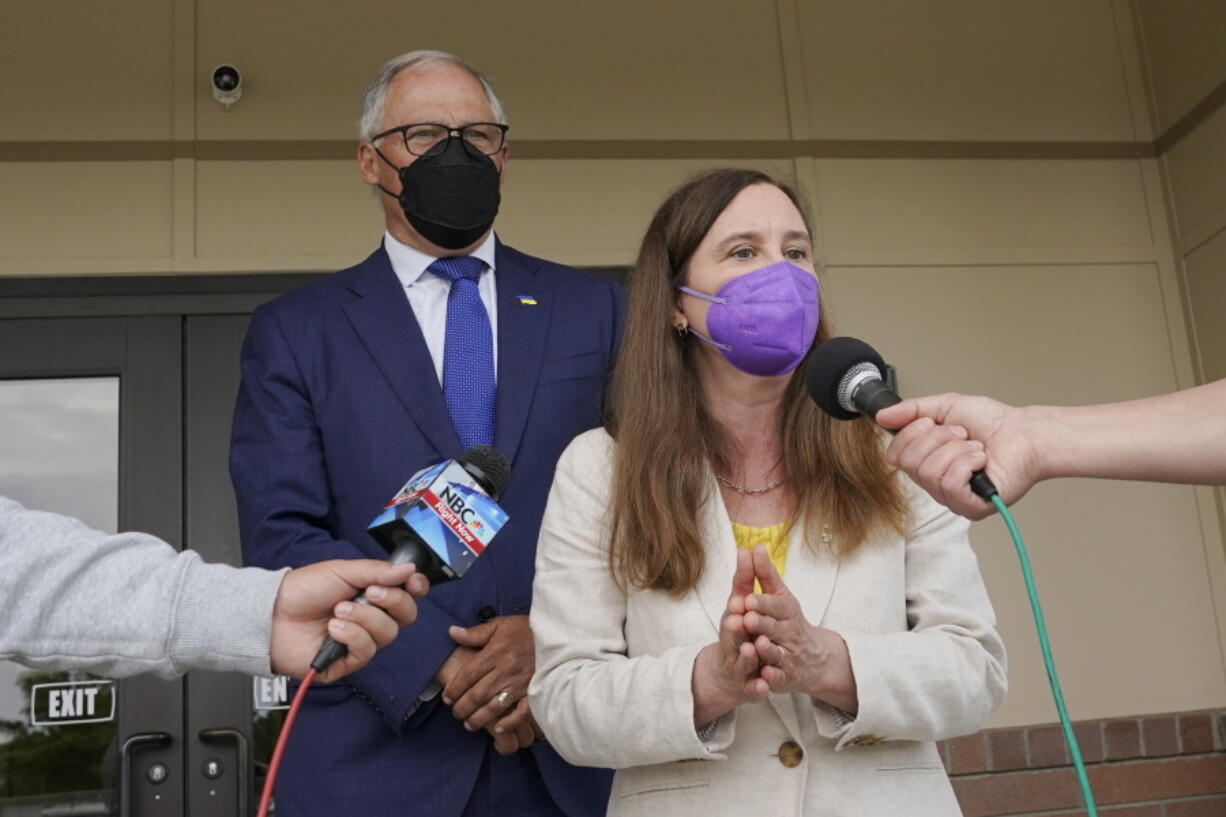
[(527, 300)]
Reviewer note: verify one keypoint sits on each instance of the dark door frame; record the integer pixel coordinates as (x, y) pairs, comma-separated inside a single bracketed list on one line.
[(130, 295), (154, 333)]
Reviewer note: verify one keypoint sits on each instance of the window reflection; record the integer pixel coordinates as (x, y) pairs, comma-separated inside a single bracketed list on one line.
[(59, 451), (59, 446)]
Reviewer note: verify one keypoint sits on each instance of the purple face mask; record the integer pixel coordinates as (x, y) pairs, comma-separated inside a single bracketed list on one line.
[(764, 321)]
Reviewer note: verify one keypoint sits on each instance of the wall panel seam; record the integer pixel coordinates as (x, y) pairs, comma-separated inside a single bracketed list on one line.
[(1193, 119), (1202, 233), (791, 54), (834, 259), (582, 149), (1130, 38)]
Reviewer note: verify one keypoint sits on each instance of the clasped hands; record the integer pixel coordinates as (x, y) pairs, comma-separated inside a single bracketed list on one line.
[(485, 681), (766, 645)]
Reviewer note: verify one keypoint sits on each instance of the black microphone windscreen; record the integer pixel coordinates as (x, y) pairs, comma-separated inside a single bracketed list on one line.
[(828, 364), (489, 466)]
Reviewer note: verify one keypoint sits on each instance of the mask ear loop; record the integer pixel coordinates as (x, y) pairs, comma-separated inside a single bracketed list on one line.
[(723, 347), (389, 163), (715, 299)]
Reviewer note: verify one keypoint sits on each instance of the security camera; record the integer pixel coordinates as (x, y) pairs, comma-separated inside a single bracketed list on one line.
[(227, 85)]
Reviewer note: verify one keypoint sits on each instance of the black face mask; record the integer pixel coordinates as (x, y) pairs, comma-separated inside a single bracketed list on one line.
[(450, 197)]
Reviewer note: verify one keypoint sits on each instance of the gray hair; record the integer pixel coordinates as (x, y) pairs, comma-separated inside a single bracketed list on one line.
[(375, 98)]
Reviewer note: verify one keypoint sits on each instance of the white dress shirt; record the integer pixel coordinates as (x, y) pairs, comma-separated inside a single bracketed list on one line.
[(427, 293)]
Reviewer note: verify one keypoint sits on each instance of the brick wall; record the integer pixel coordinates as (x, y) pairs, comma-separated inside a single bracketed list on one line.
[(1151, 766)]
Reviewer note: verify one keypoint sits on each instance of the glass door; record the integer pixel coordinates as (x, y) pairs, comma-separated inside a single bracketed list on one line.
[(57, 729), (91, 427)]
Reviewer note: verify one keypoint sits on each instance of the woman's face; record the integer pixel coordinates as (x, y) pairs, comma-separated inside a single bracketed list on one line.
[(760, 226)]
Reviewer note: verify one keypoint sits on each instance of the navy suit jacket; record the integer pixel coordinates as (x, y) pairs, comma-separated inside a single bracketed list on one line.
[(339, 405)]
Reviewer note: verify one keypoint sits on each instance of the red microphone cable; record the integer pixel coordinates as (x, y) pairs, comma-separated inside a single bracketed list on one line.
[(275, 763), (329, 652)]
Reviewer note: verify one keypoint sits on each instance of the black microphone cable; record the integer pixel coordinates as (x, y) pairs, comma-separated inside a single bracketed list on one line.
[(844, 378)]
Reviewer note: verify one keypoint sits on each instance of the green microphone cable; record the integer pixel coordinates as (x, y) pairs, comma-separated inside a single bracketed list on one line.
[(844, 376), (1087, 795)]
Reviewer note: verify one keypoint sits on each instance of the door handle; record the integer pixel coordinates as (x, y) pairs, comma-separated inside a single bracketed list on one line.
[(222, 735), (133, 742)]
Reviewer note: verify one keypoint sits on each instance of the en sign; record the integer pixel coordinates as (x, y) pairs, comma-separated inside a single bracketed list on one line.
[(271, 693)]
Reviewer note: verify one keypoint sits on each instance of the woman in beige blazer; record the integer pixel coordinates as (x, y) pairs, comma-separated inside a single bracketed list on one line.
[(737, 604)]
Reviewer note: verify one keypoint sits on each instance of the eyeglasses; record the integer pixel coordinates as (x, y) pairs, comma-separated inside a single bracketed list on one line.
[(425, 138)]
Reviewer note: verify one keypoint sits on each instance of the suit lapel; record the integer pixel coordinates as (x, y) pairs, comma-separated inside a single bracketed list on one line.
[(811, 573), (715, 584), (524, 309), (384, 321)]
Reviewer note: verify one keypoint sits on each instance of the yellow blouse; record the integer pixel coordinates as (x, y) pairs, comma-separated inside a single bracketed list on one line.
[(775, 537)]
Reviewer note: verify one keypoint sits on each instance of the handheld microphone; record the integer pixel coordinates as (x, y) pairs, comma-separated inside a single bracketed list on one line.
[(441, 520), (445, 515), (844, 378)]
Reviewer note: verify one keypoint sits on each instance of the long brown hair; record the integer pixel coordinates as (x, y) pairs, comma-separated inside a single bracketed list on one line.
[(667, 443)]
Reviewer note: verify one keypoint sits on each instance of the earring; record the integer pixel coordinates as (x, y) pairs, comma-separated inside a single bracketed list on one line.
[(683, 331)]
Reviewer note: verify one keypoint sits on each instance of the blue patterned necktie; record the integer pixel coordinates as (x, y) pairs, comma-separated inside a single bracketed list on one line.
[(468, 352)]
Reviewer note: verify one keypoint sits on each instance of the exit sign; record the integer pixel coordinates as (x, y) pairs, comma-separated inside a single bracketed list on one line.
[(69, 702)]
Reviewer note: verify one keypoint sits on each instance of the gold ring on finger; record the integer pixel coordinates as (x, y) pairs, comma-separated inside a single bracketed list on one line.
[(505, 699)]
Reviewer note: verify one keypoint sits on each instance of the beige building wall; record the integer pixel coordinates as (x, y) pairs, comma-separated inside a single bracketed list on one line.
[(983, 175), (1184, 48)]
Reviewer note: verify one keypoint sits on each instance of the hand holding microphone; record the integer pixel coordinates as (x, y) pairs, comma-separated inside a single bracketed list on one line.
[(1178, 437), (943, 439), (844, 377), (313, 601), (440, 521)]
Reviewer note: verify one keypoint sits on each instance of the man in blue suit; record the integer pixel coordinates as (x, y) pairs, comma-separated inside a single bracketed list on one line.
[(442, 339)]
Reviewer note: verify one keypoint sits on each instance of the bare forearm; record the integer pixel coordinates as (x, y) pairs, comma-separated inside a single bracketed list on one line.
[(841, 695), (834, 682), (1178, 437)]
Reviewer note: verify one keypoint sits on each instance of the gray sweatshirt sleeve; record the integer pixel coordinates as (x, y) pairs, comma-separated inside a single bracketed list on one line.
[(76, 598)]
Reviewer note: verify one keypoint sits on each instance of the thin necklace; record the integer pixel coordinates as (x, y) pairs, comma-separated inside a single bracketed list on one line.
[(740, 489)]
